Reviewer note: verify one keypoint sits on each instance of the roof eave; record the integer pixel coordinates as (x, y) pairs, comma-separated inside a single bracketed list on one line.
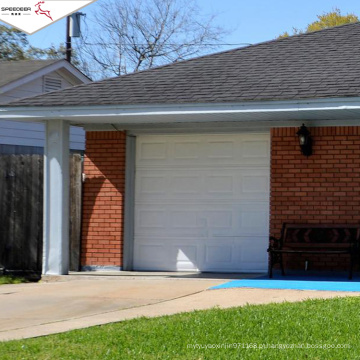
[(309, 109)]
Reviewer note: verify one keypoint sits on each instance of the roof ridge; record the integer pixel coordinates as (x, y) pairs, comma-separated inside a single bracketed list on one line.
[(232, 50)]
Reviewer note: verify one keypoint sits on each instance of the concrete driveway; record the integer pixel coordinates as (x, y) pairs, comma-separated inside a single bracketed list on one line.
[(59, 304)]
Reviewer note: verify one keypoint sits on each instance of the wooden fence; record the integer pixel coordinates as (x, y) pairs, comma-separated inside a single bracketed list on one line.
[(21, 212)]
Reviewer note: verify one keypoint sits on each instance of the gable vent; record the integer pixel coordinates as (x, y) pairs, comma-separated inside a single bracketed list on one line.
[(51, 84)]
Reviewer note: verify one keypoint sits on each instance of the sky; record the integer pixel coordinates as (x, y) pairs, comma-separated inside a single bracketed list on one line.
[(249, 21)]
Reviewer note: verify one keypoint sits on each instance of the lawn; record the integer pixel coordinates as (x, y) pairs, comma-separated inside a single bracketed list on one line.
[(240, 332), (8, 279)]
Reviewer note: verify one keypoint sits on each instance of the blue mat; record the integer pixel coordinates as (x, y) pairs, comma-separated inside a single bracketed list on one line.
[(294, 283)]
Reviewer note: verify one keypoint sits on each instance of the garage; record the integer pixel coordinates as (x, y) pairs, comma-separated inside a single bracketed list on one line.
[(202, 202)]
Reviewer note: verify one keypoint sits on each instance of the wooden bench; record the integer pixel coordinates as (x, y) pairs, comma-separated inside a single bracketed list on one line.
[(325, 239)]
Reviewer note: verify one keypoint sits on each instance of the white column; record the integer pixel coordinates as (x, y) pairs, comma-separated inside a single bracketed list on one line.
[(56, 198)]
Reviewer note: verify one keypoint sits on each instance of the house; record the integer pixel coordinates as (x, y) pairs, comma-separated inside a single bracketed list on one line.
[(25, 78), (192, 165)]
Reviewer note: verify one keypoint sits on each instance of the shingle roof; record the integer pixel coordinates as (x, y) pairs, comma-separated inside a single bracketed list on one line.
[(321, 64), (14, 70)]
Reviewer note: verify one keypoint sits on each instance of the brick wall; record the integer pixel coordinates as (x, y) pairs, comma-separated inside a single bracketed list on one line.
[(323, 188), (103, 199)]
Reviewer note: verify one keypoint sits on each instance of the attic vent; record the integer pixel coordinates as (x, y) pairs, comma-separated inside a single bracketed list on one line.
[(51, 84)]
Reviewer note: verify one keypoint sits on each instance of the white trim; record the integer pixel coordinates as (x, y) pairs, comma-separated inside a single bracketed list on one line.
[(129, 206), (69, 72), (342, 108), (56, 199)]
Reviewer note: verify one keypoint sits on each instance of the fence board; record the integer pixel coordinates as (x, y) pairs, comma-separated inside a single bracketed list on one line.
[(21, 212), (75, 210)]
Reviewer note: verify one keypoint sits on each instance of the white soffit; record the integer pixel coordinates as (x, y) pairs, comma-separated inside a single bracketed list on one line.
[(332, 110)]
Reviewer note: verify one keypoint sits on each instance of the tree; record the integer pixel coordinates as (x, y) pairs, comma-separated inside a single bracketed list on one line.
[(135, 35), (14, 45), (326, 20), (52, 52)]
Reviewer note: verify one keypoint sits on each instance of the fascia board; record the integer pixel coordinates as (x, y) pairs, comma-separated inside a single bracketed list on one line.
[(73, 112)]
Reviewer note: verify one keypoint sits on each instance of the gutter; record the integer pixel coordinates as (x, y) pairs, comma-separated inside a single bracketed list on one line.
[(74, 113)]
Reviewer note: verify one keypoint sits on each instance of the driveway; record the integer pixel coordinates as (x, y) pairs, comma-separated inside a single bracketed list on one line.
[(59, 304)]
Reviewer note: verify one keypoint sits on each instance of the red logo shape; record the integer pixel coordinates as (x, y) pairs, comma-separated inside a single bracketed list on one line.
[(40, 11)]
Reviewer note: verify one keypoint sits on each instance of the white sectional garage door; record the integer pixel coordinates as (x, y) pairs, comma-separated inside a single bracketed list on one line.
[(202, 202)]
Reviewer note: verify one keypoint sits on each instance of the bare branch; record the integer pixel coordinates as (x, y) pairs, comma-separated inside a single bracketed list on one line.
[(132, 35)]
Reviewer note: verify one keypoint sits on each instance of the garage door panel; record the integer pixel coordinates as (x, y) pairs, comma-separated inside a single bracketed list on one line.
[(253, 219), (220, 185), (175, 255), (221, 254), (218, 149), (202, 202), (252, 184), (224, 220), (151, 184), (203, 150), (152, 253), (221, 219), (154, 219), (187, 257), (248, 219), (170, 221), (254, 249), (198, 220), (181, 185), (255, 150), (153, 151), (244, 250), (186, 150), (197, 185)]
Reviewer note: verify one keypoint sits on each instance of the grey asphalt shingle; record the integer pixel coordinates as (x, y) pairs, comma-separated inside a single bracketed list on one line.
[(323, 64), (14, 70)]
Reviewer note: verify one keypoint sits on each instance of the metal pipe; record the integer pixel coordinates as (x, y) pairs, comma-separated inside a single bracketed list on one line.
[(68, 40)]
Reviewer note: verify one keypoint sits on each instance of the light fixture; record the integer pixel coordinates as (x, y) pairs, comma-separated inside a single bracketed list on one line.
[(305, 140)]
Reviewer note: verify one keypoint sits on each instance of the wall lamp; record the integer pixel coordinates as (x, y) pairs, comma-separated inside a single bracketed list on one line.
[(305, 140)]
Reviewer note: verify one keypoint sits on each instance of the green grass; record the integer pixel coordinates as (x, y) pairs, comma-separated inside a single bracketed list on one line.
[(315, 322), (9, 279)]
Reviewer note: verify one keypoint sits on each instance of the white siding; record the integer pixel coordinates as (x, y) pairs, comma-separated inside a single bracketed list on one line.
[(33, 134)]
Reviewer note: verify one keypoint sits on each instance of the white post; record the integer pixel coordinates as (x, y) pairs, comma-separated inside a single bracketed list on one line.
[(56, 198)]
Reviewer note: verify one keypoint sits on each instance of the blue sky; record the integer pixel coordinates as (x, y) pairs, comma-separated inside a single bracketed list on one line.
[(252, 21)]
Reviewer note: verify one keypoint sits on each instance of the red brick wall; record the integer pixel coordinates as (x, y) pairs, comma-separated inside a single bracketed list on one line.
[(103, 201), (323, 188)]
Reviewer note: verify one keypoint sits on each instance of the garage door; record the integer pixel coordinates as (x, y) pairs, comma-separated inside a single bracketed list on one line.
[(202, 202)]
